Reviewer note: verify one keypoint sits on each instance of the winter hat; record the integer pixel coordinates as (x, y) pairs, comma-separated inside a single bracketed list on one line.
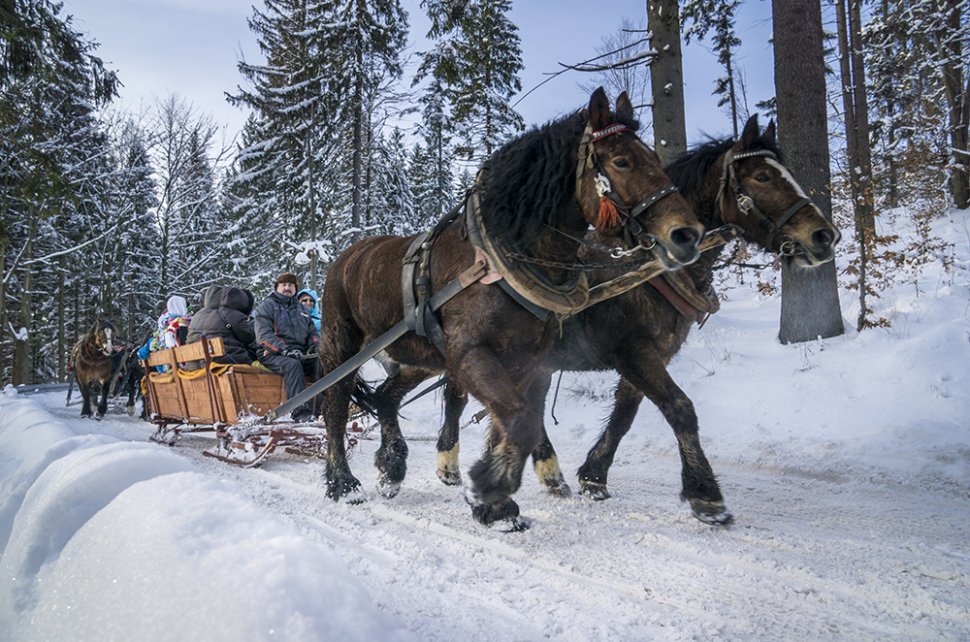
[(176, 306), (286, 277)]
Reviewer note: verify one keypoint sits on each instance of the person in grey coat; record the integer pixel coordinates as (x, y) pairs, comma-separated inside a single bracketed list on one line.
[(231, 322), (210, 301), (285, 334)]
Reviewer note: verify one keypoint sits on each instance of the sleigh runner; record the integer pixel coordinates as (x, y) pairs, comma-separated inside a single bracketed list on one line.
[(229, 399)]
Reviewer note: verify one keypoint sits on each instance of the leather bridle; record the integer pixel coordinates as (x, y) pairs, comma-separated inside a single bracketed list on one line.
[(633, 229), (746, 204)]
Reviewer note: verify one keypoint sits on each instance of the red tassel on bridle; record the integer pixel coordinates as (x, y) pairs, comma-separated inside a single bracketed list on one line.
[(609, 216)]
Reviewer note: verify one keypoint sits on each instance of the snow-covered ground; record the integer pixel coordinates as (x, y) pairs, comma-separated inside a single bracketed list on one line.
[(845, 461)]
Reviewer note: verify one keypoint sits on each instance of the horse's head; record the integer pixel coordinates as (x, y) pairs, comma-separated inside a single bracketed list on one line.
[(102, 335), (761, 196), (624, 190)]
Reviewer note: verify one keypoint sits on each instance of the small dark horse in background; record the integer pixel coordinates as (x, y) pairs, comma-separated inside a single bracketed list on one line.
[(92, 361), (637, 334), (538, 197), (128, 382)]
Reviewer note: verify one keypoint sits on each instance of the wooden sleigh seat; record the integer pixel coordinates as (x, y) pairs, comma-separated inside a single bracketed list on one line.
[(213, 394)]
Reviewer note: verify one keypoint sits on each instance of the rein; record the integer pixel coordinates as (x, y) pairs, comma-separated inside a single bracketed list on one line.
[(746, 204)]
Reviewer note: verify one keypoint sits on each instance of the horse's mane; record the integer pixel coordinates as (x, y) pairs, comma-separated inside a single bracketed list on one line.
[(690, 170), (530, 179)]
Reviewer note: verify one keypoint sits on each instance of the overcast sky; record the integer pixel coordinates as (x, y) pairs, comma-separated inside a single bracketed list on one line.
[(191, 47)]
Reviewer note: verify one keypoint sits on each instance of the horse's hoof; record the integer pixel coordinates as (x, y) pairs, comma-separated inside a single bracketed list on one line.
[(593, 490), (449, 477), (347, 488), (517, 524), (557, 488), (488, 514), (130, 410), (388, 488), (713, 513)]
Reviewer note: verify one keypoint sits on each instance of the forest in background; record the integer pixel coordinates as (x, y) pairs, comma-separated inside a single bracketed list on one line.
[(104, 212)]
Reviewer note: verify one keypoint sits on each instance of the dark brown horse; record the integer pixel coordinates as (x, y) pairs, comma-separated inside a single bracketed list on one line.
[(637, 334), (538, 195), (92, 361)]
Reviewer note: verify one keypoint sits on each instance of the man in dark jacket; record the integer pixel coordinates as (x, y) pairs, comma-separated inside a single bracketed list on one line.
[(231, 322), (210, 301), (284, 335)]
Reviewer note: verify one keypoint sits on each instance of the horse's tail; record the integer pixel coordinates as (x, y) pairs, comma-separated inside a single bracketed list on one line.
[(364, 396)]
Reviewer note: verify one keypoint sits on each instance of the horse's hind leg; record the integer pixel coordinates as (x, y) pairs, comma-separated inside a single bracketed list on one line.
[(448, 437), (593, 473), (391, 457), (544, 459), (340, 344), (514, 432)]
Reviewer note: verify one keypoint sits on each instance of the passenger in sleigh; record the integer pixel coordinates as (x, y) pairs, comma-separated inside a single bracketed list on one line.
[(210, 301), (230, 321), (287, 338), (170, 331)]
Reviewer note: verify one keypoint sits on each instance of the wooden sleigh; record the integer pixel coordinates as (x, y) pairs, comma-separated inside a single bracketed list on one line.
[(196, 394)]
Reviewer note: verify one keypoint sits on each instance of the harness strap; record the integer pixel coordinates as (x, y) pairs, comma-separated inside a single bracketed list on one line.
[(470, 275), (680, 292)]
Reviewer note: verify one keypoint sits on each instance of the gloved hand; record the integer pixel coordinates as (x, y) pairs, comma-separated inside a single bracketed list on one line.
[(293, 353)]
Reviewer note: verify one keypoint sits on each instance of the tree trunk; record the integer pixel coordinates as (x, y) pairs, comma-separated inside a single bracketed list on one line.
[(667, 80), (62, 346), (3, 311), (958, 110), (810, 299), (358, 154), (21, 350), (857, 145)]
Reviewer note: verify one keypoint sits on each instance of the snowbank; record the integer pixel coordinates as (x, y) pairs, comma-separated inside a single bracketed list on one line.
[(105, 539)]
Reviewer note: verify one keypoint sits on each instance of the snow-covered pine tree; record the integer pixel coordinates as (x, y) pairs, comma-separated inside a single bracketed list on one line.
[(698, 19), (437, 127), (50, 148), (360, 51), (391, 194), (189, 232), (920, 72), (483, 76)]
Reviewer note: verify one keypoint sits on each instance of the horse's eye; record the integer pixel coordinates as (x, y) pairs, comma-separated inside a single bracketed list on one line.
[(621, 163), (762, 177)]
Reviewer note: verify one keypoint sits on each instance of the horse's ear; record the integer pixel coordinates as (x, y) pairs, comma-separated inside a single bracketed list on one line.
[(599, 109), (624, 108), (768, 136), (750, 134)]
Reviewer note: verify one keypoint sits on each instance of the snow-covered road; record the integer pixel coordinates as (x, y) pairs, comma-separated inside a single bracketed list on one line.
[(813, 555)]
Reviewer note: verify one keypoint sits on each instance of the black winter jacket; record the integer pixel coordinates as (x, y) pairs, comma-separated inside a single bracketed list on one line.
[(210, 301), (231, 322), (283, 323)]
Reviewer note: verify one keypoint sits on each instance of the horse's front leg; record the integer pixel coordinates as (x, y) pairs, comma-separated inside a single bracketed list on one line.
[(391, 458), (103, 404), (448, 446), (514, 432), (86, 398), (699, 485)]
